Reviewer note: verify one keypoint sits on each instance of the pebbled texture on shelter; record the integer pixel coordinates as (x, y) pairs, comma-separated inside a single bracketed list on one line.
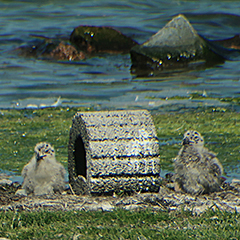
[(112, 151)]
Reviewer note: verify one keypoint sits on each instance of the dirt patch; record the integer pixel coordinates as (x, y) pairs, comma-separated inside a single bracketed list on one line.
[(7, 193)]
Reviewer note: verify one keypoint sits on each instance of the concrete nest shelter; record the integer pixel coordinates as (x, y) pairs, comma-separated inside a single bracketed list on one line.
[(112, 151)]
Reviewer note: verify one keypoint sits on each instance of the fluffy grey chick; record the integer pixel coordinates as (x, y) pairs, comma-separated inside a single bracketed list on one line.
[(43, 174), (197, 169)]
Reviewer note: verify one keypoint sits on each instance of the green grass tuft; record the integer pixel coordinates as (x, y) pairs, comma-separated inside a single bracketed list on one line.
[(119, 224)]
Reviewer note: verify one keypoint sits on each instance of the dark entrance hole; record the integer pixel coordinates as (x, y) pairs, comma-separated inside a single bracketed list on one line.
[(80, 157)]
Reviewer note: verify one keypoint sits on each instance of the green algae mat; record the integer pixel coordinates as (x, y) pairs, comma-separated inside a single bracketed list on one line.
[(20, 130)]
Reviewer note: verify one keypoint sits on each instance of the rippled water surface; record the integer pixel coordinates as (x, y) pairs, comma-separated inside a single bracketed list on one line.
[(105, 81)]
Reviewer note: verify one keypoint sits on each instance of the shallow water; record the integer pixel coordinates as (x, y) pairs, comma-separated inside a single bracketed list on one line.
[(105, 81), (14, 177)]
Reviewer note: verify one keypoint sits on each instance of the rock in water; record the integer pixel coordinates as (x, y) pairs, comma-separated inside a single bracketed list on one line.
[(45, 48), (174, 46), (100, 39), (233, 42), (197, 169), (43, 175)]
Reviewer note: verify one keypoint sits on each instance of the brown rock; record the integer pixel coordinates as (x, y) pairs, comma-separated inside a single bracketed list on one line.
[(66, 52), (233, 42)]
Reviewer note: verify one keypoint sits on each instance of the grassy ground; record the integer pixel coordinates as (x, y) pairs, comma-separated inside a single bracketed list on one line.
[(119, 224), (20, 130)]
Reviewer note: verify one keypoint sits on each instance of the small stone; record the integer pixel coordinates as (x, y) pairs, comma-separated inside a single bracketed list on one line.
[(4, 176), (236, 181), (21, 192), (5, 182), (107, 207), (77, 236)]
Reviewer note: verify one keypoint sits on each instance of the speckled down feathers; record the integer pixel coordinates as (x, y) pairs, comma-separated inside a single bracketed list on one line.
[(197, 169), (43, 174)]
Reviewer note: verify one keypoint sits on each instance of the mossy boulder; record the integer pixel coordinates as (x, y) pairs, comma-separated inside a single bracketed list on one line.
[(175, 46), (100, 39)]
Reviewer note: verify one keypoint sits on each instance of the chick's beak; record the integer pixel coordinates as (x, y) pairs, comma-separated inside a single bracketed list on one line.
[(185, 141), (40, 156)]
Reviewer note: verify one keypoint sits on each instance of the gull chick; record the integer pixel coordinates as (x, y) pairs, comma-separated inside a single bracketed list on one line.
[(197, 169), (43, 174)]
